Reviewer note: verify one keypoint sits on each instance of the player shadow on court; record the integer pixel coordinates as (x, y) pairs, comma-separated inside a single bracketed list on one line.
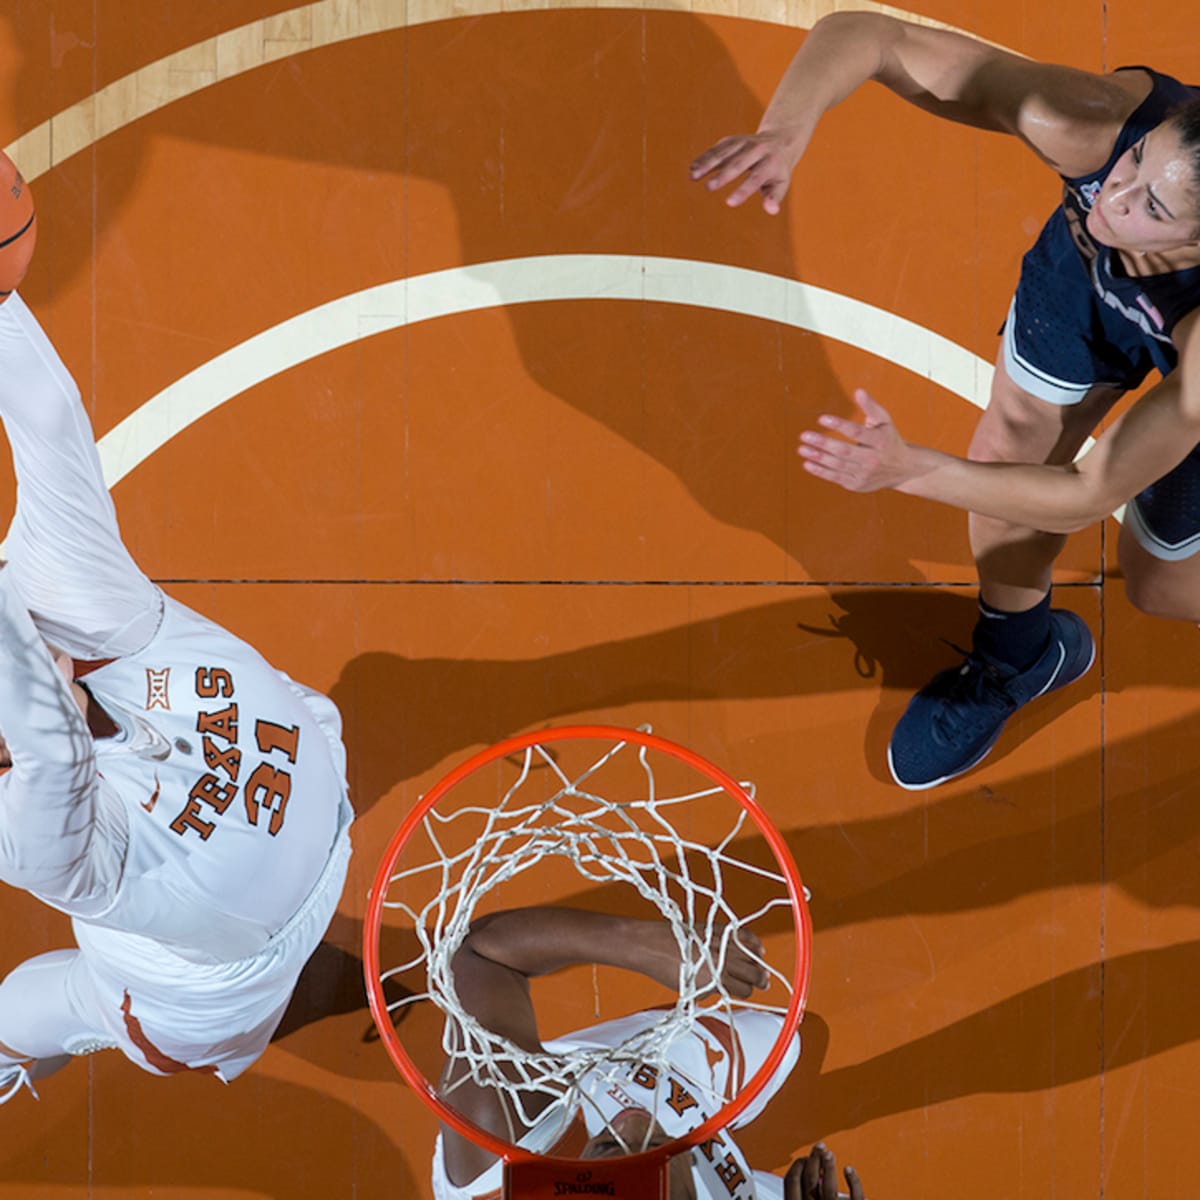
[(812, 643), (458, 108), (1038, 1039), (274, 1141), (1025, 1041)]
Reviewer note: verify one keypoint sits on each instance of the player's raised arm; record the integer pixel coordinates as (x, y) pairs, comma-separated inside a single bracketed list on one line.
[(56, 839), (1143, 445), (1069, 118)]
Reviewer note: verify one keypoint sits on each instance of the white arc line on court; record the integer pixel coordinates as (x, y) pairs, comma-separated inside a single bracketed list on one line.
[(514, 281)]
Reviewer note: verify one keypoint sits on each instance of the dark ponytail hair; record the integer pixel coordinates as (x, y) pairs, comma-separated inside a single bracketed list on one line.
[(1186, 121)]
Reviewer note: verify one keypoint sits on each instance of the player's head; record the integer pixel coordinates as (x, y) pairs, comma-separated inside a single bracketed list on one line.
[(633, 1130), (1184, 122), (1150, 200)]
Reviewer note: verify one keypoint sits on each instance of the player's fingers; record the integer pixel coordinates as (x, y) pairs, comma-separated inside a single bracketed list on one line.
[(829, 474), (819, 461), (727, 160), (854, 1184), (773, 194), (851, 430), (750, 942), (714, 156), (763, 174), (746, 160), (819, 447), (829, 1175), (875, 413), (748, 973), (810, 1175), (793, 1181)]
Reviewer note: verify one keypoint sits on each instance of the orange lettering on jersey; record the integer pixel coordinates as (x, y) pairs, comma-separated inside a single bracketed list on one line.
[(222, 724), (707, 1147), (277, 737), (730, 1173), (157, 695), (270, 788), (190, 819), (680, 1099), (148, 805), (228, 760), (213, 681), (725, 1037), (213, 792), (645, 1076)]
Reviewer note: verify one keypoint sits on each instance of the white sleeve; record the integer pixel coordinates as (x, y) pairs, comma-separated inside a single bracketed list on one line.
[(767, 1186), (62, 835), (754, 1034)]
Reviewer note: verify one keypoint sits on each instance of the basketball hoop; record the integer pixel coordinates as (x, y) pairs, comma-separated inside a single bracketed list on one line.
[(668, 844)]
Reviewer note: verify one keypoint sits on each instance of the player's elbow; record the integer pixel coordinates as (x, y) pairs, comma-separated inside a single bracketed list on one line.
[(875, 33), (1075, 522), (1083, 501)]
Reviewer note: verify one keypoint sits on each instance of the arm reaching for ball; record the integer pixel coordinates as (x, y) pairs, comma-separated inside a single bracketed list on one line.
[(1068, 118), (1143, 445)]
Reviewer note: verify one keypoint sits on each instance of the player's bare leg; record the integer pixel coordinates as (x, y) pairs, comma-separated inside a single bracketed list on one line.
[(1015, 563), (1158, 587), (1021, 647)]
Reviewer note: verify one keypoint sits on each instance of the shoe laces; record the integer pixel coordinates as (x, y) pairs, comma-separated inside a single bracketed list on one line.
[(976, 694)]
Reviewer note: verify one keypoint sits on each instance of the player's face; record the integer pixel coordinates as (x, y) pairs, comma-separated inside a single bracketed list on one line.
[(639, 1130), (1149, 202)]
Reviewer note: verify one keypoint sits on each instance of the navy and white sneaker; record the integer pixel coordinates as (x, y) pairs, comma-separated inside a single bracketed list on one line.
[(954, 720)]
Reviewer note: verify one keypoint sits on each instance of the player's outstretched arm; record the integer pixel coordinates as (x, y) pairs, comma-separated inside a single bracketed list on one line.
[(1147, 442), (538, 940), (815, 1177), (1069, 118)]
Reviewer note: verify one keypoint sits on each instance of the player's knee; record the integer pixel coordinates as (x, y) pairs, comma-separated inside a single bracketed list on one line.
[(1160, 593), (1008, 434)]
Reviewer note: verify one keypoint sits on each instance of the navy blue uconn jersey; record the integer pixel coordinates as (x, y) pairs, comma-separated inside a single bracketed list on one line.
[(1146, 308)]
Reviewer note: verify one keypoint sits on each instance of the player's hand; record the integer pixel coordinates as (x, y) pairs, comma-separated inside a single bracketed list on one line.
[(865, 456), (763, 161), (815, 1177), (741, 968)]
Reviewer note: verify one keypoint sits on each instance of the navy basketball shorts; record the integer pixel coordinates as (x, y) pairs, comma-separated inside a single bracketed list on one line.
[(1061, 340)]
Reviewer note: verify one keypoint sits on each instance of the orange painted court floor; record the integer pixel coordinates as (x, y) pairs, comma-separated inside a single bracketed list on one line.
[(490, 508)]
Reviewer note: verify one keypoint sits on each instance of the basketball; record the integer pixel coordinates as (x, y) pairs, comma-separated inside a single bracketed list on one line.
[(18, 226)]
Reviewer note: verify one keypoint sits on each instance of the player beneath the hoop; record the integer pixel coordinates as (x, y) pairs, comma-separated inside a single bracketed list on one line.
[(183, 801), (492, 968), (1109, 293)]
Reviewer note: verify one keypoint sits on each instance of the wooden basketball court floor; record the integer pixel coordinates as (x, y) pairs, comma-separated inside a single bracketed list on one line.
[(534, 464)]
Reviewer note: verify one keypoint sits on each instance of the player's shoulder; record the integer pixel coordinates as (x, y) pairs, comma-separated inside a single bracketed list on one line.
[(1073, 119)]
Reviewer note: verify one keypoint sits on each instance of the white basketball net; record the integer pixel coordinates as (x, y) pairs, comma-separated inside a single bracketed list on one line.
[(607, 841)]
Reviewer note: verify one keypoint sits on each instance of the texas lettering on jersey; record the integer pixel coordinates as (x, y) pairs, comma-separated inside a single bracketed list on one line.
[(715, 1149), (264, 791)]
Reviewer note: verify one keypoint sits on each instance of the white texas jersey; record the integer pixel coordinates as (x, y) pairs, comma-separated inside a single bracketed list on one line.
[(232, 776), (715, 1058), (204, 824)]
